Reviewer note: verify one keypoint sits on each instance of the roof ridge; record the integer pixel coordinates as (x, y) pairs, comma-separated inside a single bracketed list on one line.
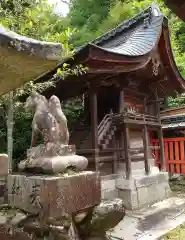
[(122, 26)]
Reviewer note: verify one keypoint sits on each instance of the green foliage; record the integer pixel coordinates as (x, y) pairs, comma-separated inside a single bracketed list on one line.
[(86, 16), (74, 111), (65, 71)]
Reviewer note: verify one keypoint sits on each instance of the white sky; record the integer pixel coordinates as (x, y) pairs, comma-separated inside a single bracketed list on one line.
[(60, 8)]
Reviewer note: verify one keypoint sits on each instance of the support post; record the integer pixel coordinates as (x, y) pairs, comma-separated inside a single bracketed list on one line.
[(146, 149), (121, 109), (115, 157), (160, 134), (127, 151), (162, 154), (121, 101), (94, 126), (145, 106), (157, 105)]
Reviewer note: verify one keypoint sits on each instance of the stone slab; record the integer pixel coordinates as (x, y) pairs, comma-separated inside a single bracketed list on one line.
[(142, 181), (56, 196), (150, 223), (143, 191)]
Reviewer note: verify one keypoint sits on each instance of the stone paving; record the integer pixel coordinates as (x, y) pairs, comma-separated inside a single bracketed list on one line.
[(150, 223)]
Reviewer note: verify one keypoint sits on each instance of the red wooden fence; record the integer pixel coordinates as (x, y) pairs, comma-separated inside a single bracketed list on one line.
[(174, 149)]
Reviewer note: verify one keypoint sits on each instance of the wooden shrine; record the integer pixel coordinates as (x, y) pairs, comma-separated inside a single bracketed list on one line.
[(130, 70)]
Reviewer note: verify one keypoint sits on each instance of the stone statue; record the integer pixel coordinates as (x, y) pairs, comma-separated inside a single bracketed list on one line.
[(54, 155), (56, 110), (49, 119)]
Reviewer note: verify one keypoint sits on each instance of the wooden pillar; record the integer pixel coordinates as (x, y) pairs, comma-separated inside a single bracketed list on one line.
[(146, 149), (162, 154), (121, 101), (94, 126), (145, 106), (160, 134), (121, 108), (157, 105), (127, 151), (115, 157)]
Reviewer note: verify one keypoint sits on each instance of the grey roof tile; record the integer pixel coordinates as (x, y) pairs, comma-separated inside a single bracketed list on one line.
[(135, 37)]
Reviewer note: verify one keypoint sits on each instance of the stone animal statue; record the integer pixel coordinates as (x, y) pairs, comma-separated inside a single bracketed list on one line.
[(56, 110), (44, 122)]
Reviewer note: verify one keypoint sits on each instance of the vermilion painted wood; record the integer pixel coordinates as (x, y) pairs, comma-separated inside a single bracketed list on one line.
[(166, 155), (182, 150), (174, 149)]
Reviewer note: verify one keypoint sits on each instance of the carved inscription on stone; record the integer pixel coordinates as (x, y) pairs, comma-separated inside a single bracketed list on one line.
[(34, 197)]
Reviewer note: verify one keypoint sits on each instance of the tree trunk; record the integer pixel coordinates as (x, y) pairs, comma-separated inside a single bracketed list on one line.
[(10, 130)]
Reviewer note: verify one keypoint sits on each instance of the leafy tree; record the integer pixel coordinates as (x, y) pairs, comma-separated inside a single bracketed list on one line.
[(86, 16)]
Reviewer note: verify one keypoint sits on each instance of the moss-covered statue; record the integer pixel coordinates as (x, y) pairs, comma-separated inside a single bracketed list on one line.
[(49, 119), (54, 155)]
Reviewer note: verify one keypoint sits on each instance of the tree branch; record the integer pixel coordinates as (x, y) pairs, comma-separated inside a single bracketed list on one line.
[(65, 1)]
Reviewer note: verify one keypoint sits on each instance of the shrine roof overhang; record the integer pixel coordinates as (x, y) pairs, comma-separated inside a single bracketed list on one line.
[(128, 48), (172, 112), (173, 118), (178, 7), (23, 59)]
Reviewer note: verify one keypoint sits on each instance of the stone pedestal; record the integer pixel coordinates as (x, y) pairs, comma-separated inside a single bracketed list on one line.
[(52, 158), (143, 190), (54, 196)]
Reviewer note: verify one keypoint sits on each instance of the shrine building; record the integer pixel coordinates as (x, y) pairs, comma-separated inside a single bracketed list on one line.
[(131, 69)]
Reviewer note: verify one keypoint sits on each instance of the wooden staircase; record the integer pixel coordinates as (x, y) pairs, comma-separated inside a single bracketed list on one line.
[(106, 132), (82, 137)]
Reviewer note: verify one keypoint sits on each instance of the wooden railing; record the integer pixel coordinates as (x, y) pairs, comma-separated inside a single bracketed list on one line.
[(174, 149), (136, 118), (104, 125)]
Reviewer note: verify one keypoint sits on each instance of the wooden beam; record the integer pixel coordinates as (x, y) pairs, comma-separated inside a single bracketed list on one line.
[(127, 153), (136, 93), (146, 149), (94, 125)]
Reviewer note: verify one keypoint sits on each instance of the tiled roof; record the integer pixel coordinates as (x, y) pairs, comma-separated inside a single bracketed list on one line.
[(173, 121), (135, 37)]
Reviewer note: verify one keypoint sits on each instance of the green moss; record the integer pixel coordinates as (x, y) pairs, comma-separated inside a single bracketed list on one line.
[(176, 234)]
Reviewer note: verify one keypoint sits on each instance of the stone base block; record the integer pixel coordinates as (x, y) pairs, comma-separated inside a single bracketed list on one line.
[(50, 150), (143, 191), (55, 196), (108, 188)]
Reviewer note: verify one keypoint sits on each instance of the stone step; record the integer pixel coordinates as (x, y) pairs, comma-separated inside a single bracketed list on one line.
[(150, 223)]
